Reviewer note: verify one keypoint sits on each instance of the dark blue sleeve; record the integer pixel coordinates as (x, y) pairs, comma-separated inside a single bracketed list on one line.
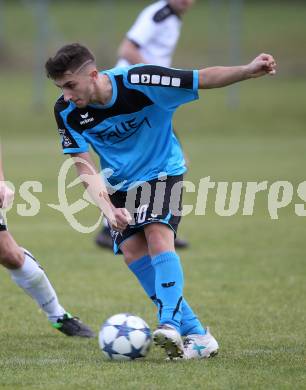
[(167, 87), (72, 141)]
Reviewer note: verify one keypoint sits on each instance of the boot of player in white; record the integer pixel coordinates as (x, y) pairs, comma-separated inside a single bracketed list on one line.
[(167, 337), (197, 346)]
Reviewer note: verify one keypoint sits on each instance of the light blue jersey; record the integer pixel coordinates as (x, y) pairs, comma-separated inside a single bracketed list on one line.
[(132, 134)]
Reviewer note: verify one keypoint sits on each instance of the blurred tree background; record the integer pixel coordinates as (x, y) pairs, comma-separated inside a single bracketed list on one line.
[(245, 275), (214, 32)]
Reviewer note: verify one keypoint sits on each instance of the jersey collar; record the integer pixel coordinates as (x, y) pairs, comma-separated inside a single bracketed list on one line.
[(114, 91)]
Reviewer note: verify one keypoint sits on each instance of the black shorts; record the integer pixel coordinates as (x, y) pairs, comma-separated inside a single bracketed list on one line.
[(2, 223), (155, 201)]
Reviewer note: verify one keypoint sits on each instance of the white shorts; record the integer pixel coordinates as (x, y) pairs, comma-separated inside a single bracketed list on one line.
[(3, 226)]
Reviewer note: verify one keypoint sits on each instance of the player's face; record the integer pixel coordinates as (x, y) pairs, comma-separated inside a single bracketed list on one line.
[(77, 88), (181, 6)]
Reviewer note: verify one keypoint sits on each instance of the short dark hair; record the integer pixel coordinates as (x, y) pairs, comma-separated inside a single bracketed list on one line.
[(68, 58)]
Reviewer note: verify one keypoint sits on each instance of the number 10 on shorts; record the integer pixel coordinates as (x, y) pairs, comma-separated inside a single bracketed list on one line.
[(142, 213)]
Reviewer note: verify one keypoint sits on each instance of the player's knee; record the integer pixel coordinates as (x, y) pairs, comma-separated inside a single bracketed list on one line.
[(11, 258), (158, 241), (131, 254), (129, 257), (157, 244), (134, 248)]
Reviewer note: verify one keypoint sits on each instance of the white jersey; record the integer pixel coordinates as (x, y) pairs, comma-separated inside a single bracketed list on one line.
[(2, 221), (156, 32)]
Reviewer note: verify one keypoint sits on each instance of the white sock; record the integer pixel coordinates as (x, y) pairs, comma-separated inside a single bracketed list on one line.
[(105, 223), (33, 280)]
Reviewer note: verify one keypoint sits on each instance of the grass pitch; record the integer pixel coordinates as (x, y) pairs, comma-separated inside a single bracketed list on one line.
[(245, 276)]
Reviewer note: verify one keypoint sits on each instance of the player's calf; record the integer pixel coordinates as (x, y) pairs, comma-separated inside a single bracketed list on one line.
[(11, 255)]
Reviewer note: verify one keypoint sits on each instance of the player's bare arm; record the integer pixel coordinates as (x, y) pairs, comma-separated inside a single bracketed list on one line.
[(220, 76), (91, 178), (130, 51)]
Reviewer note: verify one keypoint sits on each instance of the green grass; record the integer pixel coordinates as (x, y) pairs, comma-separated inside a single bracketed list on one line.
[(245, 276)]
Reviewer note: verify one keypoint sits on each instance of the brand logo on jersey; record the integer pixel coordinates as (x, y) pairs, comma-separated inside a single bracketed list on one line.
[(86, 119), (156, 79), (66, 140), (167, 285)]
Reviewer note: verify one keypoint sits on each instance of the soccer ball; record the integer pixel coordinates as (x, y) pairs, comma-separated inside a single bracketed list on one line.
[(125, 337)]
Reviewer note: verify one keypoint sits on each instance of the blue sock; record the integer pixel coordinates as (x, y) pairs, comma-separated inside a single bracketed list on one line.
[(145, 273), (190, 323), (169, 283)]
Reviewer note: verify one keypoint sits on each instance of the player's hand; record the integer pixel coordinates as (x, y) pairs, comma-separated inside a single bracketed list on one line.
[(6, 195), (121, 219), (261, 65)]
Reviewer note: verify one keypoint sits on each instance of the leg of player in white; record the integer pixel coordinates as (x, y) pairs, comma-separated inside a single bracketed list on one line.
[(27, 274)]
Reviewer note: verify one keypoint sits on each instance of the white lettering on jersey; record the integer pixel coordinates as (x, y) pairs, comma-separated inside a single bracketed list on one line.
[(135, 79), (145, 79), (155, 79), (165, 80), (176, 82)]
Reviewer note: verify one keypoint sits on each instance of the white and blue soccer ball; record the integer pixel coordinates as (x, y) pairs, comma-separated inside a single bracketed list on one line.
[(125, 337)]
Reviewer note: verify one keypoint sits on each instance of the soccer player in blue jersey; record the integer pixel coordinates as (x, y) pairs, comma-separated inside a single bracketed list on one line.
[(151, 40), (125, 114), (26, 272)]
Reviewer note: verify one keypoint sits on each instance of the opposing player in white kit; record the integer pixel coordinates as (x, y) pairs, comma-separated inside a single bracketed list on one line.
[(153, 37), (27, 273), (151, 40)]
